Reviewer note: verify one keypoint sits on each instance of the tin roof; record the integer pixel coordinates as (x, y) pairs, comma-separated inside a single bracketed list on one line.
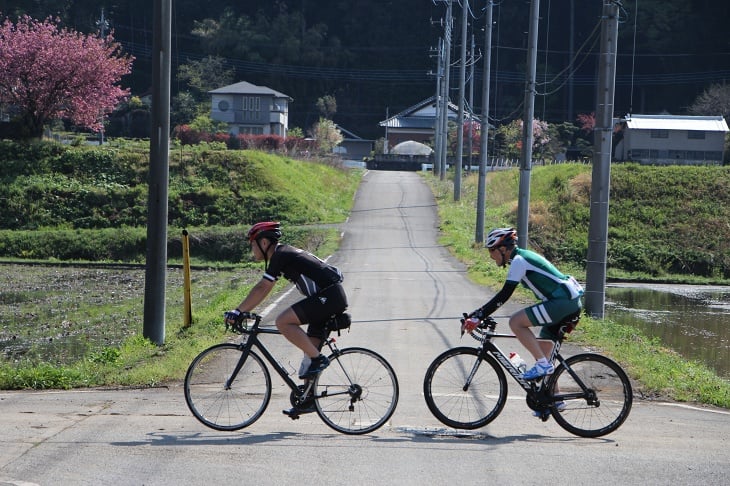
[(247, 88), (422, 115), (675, 122)]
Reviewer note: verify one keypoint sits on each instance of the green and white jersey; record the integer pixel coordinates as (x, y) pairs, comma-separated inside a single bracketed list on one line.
[(539, 275)]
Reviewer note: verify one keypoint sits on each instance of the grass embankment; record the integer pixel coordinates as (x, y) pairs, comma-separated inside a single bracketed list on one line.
[(657, 219), (76, 326)]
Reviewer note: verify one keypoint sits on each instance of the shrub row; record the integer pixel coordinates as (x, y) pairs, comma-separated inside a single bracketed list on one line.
[(210, 245), (268, 143)]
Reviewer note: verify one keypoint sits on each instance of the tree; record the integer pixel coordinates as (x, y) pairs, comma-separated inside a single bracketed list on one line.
[(49, 72), (205, 75), (327, 106), (509, 138), (327, 135), (714, 101)]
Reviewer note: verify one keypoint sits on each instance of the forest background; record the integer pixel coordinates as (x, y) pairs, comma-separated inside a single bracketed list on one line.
[(377, 58)]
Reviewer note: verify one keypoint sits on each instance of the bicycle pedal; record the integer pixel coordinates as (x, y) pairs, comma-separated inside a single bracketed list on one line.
[(292, 414)]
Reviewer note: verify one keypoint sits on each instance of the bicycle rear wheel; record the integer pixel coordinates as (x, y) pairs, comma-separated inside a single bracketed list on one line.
[(598, 407), (357, 393), (464, 391), (221, 406)]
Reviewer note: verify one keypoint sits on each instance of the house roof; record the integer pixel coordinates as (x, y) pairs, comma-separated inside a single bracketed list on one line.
[(247, 88), (676, 122), (421, 115), (349, 135)]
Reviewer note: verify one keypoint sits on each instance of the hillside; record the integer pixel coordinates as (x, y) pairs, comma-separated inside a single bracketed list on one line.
[(665, 223), (90, 203)]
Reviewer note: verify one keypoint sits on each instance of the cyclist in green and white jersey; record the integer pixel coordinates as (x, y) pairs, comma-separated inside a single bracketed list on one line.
[(559, 295)]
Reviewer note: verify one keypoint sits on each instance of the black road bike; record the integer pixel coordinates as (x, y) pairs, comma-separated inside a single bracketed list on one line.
[(588, 394), (228, 386)]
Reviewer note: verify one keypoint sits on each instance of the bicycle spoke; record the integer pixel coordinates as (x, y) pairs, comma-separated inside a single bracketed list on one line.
[(221, 407), (357, 393), (597, 400), (462, 392)]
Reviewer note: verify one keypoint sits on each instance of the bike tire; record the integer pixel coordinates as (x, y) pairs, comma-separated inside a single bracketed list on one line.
[(609, 401), (227, 408), (357, 393), (451, 401)]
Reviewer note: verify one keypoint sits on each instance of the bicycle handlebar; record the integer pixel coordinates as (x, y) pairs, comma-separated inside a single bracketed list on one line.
[(240, 325)]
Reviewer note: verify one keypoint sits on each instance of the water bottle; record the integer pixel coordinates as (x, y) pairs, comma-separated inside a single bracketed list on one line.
[(518, 362)]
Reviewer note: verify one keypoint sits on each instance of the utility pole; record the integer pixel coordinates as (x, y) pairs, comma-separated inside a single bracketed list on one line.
[(595, 294), (103, 25), (156, 268), (447, 75), (460, 123), (470, 147), (439, 108), (484, 142), (523, 202)]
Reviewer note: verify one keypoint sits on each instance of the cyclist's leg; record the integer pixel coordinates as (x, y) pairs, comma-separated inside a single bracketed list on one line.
[(288, 323), (318, 309), (545, 315), (520, 325)]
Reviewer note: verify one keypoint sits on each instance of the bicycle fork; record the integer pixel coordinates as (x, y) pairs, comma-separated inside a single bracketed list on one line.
[(245, 348)]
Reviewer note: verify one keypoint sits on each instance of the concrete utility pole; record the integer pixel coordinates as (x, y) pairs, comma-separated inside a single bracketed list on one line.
[(484, 142), (439, 111), (460, 124), (523, 202), (447, 75), (595, 294), (156, 268), (470, 147)]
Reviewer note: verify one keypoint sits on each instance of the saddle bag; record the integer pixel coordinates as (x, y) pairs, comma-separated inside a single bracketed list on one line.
[(339, 322)]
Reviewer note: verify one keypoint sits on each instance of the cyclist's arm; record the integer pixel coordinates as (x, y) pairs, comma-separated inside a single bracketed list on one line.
[(256, 295), (498, 300)]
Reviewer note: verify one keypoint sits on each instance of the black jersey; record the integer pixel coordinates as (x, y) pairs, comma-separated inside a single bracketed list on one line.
[(306, 271)]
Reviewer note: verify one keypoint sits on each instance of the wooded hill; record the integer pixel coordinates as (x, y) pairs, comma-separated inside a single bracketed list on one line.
[(376, 58)]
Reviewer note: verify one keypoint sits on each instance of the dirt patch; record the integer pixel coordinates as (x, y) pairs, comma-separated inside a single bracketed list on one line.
[(59, 314)]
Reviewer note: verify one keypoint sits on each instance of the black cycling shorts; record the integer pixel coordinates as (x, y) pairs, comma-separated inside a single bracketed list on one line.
[(317, 309)]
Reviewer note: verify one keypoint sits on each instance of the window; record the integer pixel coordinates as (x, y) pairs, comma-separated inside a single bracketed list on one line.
[(250, 130), (660, 134), (677, 154), (696, 135), (223, 105)]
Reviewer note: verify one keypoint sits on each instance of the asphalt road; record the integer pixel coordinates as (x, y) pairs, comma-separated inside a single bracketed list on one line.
[(406, 293)]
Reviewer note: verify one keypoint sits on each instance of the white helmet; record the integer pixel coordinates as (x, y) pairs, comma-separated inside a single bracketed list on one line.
[(501, 237)]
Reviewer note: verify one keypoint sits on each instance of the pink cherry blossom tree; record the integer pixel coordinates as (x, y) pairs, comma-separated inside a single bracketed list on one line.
[(49, 72)]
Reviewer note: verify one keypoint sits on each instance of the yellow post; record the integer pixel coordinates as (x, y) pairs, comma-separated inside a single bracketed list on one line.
[(187, 311)]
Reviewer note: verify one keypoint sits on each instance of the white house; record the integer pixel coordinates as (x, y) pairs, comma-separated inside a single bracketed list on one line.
[(251, 109), (669, 139)]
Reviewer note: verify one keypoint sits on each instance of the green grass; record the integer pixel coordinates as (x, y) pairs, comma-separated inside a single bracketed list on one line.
[(658, 372)]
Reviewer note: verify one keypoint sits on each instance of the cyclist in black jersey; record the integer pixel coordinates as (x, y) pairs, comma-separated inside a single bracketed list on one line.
[(319, 282)]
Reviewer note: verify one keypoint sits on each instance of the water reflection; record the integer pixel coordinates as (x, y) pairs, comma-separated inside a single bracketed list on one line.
[(692, 320)]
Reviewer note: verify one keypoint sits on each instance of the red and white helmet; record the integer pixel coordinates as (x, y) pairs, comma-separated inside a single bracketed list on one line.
[(265, 229)]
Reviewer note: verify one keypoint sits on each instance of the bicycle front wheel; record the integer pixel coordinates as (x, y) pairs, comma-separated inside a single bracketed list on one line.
[(223, 403), (357, 393), (463, 390), (597, 395)]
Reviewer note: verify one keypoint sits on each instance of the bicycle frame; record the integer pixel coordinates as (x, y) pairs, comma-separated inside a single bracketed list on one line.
[(488, 347), (252, 340), (532, 388)]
